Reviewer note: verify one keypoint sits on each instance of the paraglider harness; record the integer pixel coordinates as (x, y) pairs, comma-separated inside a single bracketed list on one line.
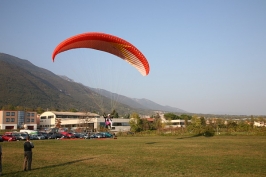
[(108, 121)]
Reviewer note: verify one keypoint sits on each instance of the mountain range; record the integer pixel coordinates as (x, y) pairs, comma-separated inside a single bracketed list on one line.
[(24, 84), (139, 103)]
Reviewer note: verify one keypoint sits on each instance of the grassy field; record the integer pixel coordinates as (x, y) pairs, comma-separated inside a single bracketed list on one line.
[(141, 156)]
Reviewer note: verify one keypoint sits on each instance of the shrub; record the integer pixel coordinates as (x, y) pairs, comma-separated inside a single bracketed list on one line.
[(209, 131)]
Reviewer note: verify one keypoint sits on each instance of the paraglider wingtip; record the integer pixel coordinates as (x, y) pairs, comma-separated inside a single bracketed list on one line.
[(53, 57)]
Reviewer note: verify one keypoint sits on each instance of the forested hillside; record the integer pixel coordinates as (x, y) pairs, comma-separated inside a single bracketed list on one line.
[(24, 84)]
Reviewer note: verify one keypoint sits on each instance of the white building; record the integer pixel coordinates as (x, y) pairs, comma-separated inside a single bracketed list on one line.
[(258, 124), (173, 123), (74, 120)]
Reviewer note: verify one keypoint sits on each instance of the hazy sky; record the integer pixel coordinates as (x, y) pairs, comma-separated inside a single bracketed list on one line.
[(205, 56)]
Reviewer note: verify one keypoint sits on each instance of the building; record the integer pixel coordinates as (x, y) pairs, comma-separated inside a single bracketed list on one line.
[(75, 120), (173, 123), (18, 119), (259, 124)]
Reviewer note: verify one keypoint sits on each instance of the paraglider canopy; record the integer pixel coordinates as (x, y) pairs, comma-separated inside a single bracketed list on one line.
[(107, 43)]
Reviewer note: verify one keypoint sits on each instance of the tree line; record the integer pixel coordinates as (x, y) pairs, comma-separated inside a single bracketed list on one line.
[(197, 126)]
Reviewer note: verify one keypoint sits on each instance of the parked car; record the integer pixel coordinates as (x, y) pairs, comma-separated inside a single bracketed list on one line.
[(9, 138), (34, 137), (20, 136), (54, 135), (68, 135), (101, 135), (87, 135), (80, 135), (108, 134), (44, 134), (40, 137), (24, 136)]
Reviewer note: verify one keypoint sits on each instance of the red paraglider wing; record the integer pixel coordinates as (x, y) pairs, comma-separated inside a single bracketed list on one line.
[(107, 43)]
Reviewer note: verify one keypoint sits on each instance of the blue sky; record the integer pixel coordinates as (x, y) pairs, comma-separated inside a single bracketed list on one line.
[(205, 56)]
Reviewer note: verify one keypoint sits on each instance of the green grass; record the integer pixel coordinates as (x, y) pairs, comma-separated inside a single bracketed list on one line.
[(165, 156)]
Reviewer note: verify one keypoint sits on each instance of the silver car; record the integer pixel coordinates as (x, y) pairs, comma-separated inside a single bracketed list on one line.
[(40, 137), (34, 137), (20, 136)]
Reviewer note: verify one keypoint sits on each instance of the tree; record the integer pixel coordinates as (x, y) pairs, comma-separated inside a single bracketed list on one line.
[(231, 126), (196, 122), (115, 114), (135, 123), (20, 108), (209, 131), (127, 116), (202, 121), (39, 110), (9, 107), (185, 117), (73, 110), (157, 123), (252, 121), (58, 123), (197, 125), (86, 121), (242, 126), (170, 116), (144, 124)]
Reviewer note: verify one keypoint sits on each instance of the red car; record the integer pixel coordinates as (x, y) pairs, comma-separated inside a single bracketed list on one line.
[(68, 135), (9, 138)]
